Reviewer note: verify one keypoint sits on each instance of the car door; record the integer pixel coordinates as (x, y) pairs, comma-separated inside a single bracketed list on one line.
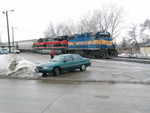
[(67, 63), (77, 61)]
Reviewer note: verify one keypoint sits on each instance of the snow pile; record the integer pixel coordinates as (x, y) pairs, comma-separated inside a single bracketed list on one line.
[(13, 66), (139, 55), (147, 55), (124, 55)]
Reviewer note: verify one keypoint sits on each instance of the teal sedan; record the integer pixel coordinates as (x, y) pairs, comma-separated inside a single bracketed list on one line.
[(64, 62)]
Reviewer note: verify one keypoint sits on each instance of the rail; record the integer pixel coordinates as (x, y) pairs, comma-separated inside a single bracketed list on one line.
[(132, 59)]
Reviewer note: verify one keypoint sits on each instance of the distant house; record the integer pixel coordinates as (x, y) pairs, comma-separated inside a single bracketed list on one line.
[(145, 48)]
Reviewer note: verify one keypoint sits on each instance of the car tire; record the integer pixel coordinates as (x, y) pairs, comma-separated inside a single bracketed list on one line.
[(83, 68), (56, 71)]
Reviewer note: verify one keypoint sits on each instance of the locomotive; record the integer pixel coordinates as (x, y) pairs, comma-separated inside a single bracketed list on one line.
[(92, 45), (59, 44)]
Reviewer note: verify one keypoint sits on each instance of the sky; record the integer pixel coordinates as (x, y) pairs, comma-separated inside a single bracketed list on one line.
[(31, 17)]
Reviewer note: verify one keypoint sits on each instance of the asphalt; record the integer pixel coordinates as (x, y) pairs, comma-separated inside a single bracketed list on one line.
[(102, 88), (100, 71), (44, 96)]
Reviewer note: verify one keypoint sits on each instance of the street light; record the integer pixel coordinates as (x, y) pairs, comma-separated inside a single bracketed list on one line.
[(6, 13)]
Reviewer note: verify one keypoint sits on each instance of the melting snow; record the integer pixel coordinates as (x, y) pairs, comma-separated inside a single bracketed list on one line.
[(138, 55), (13, 66)]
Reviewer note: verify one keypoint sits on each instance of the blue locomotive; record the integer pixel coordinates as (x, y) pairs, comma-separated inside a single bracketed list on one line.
[(94, 45)]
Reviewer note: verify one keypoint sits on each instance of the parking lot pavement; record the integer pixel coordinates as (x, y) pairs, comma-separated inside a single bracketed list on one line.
[(44, 96), (68, 93), (100, 71)]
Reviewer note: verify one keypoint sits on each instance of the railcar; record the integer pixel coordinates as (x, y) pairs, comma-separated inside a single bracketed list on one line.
[(25, 45)]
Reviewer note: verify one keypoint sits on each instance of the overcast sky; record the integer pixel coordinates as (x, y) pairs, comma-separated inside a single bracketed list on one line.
[(31, 17)]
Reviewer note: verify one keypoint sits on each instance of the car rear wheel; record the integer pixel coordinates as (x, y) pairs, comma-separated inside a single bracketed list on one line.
[(83, 68), (56, 71)]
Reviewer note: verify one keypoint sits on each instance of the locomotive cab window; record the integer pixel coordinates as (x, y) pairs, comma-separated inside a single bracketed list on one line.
[(104, 36), (71, 38)]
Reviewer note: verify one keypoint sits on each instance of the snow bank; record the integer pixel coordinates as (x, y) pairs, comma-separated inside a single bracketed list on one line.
[(13, 66), (140, 55)]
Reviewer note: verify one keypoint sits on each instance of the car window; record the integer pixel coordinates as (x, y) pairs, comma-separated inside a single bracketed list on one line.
[(67, 58), (57, 59), (77, 57)]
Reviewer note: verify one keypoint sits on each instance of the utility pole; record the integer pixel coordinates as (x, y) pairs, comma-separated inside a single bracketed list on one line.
[(13, 35), (7, 20)]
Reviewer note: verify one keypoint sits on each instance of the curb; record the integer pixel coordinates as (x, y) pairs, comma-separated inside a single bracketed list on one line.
[(55, 79)]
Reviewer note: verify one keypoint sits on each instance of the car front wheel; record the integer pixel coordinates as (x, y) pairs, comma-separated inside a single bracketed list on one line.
[(83, 68), (56, 71)]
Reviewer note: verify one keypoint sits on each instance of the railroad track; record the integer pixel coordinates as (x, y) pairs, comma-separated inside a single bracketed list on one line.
[(132, 59)]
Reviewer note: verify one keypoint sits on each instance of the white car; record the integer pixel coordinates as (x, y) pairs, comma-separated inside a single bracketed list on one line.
[(17, 51)]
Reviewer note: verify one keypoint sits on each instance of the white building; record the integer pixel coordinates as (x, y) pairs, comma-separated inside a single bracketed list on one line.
[(145, 48)]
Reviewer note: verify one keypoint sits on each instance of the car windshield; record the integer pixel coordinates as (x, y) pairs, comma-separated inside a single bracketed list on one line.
[(57, 59)]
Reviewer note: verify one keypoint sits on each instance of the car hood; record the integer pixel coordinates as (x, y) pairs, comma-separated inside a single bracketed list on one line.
[(49, 64)]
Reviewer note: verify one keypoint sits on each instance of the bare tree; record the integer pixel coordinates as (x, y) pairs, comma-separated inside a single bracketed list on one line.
[(63, 28), (84, 24), (143, 37), (72, 27), (50, 32), (59, 29), (112, 19), (116, 19), (145, 27), (133, 33), (98, 20), (66, 28), (109, 18)]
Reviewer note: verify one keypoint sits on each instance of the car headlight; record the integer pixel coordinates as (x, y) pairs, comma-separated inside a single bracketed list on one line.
[(46, 67)]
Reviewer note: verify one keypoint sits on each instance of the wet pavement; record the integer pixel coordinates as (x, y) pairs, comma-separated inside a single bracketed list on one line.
[(100, 71), (105, 87), (44, 96)]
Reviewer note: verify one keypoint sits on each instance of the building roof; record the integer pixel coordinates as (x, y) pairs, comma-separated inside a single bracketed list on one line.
[(145, 44)]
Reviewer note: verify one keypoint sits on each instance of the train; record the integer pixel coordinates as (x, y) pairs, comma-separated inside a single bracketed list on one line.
[(93, 45)]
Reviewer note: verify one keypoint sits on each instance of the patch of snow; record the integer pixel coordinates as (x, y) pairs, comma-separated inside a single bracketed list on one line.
[(139, 55), (13, 66), (147, 54), (124, 55)]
